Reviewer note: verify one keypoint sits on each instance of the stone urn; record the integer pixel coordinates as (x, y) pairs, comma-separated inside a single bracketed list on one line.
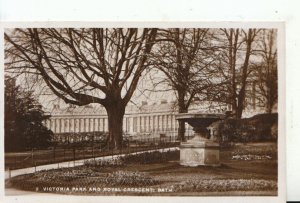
[(199, 150)]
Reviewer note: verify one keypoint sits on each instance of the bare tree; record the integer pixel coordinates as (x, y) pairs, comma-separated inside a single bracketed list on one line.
[(83, 66), (236, 49), (183, 55), (266, 71)]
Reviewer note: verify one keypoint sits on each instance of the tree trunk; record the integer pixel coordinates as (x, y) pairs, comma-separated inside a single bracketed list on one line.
[(239, 111), (181, 131), (181, 124), (242, 92), (115, 125), (269, 106)]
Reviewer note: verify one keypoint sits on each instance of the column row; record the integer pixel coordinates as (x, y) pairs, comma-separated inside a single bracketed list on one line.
[(131, 124), (151, 123), (69, 125)]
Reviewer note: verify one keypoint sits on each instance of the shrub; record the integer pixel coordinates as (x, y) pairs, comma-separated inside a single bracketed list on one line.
[(261, 127)]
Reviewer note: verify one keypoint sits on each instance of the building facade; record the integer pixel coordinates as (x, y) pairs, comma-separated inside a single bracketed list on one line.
[(150, 120), (153, 120)]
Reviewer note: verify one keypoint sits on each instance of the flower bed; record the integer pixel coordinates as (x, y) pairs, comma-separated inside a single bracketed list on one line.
[(250, 157), (151, 157), (129, 178), (83, 177), (249, 152), (141, 158), (221, 185)]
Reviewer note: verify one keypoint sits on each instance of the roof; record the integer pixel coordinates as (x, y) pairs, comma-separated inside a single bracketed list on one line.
[(131, 109)]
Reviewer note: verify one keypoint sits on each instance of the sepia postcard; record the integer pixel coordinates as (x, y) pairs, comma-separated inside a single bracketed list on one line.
[(144, 112)]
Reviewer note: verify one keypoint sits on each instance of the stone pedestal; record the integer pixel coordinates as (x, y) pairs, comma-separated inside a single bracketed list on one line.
[(199, 153), (200, 150)]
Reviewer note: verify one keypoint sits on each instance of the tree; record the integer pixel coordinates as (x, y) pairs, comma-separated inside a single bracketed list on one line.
[(24, 118), (234, 56), (183, 55), (83, 66), (266, 71)]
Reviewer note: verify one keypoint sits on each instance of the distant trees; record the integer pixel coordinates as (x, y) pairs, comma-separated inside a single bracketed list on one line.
[(83, 66), (24, 118)]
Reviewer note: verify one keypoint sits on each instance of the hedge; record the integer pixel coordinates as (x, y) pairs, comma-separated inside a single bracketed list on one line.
[(261, 127)]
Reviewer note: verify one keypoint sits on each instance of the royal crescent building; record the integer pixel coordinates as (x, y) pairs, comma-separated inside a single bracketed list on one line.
[(146, 120)]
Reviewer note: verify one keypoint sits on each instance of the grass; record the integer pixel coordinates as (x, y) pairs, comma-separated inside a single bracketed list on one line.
[(161, 171)]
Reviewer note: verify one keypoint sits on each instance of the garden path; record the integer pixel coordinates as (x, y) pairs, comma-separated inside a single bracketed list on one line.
[(67, 164)]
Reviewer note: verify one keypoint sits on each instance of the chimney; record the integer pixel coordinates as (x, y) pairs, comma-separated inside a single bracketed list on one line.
[(144, 103)]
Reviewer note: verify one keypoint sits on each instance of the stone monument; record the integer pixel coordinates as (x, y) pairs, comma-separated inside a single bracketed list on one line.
[(199, 150)]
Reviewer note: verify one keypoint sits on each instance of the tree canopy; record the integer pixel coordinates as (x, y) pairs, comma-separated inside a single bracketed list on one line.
[(83, 66), (104, 65)]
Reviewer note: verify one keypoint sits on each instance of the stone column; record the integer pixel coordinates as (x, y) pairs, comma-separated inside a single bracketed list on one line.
[(52, 127), (96, 124), (101, 124), (82, 125), (154, 123), (91, 124), (158, 123), (141, 123), (149, 124), (70, 125), (76, 125), (172, 122), (146, 124), (134, 124), (166, 122), (138, 124), (162, 123), (124, 124), (128, 125), (106, 125), (86, 122), (62, 125), (57, 126), (79, 125), (67, 129)]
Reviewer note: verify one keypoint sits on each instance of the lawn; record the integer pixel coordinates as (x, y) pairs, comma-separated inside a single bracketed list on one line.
[(246, 169)]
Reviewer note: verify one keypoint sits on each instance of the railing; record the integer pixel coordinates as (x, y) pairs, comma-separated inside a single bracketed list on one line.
[(77, 151)]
